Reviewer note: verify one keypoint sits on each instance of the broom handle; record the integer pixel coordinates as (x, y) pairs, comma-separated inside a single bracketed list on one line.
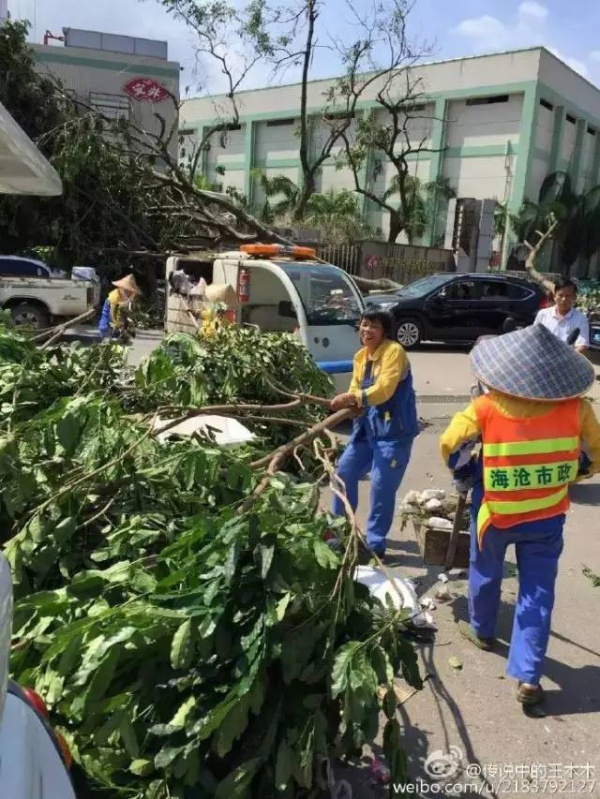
[(453, 543)]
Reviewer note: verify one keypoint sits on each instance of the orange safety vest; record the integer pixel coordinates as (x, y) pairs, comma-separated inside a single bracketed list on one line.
[(527, 468)]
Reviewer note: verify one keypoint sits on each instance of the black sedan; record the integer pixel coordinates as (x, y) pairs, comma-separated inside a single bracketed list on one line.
[(453, 307)]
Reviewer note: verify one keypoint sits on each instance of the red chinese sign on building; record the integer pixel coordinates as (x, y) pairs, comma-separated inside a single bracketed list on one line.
[(146, 90)]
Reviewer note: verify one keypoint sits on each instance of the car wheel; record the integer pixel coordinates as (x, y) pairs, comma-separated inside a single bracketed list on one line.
[(409, 333), (26, 314)]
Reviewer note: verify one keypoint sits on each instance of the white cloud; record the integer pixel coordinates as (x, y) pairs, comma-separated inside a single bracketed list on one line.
[(526, 29), (533, 10), (482, 28), (490, 33)]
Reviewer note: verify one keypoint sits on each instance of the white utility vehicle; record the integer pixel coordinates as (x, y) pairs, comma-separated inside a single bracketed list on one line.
[(284, 290)]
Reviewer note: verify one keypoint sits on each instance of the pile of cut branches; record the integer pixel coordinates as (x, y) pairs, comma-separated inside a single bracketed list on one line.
[(177, 606)]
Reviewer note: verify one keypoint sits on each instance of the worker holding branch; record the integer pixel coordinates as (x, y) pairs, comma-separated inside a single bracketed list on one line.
[(114, 321), (382, 392), (531, 425)]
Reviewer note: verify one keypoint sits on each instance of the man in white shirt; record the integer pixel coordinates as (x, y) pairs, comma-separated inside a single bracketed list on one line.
[(561, 319)]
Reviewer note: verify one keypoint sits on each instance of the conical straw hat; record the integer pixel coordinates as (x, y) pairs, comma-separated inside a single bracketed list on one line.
[(222, 292), (128, 283), (532, 364)]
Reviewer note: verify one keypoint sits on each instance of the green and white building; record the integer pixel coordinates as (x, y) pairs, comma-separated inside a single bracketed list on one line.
[(500, 122), (106, 70)]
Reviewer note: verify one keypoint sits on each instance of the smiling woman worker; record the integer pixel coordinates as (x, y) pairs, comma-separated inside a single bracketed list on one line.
[(382, 436)]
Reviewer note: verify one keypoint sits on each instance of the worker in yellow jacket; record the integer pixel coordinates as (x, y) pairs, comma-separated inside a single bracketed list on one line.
[(386, 425), (113, 320), (530, 427)]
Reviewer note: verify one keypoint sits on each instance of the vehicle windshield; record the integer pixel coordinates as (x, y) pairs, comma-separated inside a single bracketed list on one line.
[(422, 287), (325, 291)]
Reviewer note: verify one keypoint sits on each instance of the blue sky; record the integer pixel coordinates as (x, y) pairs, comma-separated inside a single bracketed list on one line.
[(463, 27)]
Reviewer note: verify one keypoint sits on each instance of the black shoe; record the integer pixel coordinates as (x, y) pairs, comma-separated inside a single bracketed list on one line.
[(366, 556)]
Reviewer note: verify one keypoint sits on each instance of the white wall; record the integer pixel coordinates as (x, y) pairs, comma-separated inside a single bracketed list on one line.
[(481, 125), (569, 84), (85, 80), (545, 129), (276, 141), (568, 142), (460, 74), (586, 179), (226, 149), (477, 177), (539, 171)]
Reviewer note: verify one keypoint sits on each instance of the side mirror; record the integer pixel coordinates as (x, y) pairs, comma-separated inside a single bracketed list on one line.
[(509, 325), (286, 309)]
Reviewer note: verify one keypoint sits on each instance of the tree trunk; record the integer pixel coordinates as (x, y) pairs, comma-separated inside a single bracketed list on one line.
[(306, 192), (396, 228), (308, 178)]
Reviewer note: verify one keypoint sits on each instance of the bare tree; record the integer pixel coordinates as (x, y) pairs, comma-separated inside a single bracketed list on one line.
[(370, 60), (232, 40), (292, 36), (394, 132)]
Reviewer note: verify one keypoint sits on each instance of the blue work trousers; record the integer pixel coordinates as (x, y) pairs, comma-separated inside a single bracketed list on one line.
[(538, 547), (387, 462)]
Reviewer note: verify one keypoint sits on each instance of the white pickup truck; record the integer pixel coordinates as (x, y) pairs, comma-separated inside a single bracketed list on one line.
[(39, 301)]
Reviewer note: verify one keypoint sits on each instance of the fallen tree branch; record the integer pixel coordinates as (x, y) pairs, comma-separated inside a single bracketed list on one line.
[(282, 452), (275, 459), (54, 333), (308, 399), (233, 410), (382, 284), (534, 251)]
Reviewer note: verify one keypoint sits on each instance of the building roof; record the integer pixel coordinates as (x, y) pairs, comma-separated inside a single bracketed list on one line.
[(434, 62)]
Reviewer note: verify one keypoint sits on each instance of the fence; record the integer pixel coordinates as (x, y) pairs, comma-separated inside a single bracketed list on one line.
[(398, 262)]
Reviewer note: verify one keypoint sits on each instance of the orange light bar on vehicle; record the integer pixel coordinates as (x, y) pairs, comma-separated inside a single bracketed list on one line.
[(275, 250)]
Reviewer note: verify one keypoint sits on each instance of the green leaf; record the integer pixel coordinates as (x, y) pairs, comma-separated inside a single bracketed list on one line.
[(182, 647), (237, 784), (326, 558), (129, 738), (65, 530), (232, 560), (167, 755), (233, 725), (142, 768), (180, 718), (103, 677), (283, 765), (266, 559), (390, 703), (342, 666), (68, 432)]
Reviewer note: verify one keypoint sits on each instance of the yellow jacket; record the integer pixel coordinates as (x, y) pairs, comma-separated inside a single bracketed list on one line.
[(390, 367), (464, 427)]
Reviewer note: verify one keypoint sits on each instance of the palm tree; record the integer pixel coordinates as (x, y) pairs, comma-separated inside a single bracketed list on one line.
[(337, 215), (418, 206), (280, 187), (578, 215)]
